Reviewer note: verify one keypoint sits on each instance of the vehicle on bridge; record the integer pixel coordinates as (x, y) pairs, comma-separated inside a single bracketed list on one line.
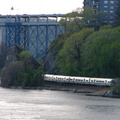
[(78, 80)]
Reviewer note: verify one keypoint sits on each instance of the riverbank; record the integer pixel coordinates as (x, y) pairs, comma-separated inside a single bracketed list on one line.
[(88, 90), (76, 88)]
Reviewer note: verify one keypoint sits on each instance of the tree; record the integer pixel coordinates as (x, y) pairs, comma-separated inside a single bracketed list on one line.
[(3, 55), (87, 15), (12, 75), (55, 47), (38, 78), (116, 86), (101, 54), (26, 58), (25, 72), (105, 27), (77, 20), (68, 60), (72, 22)]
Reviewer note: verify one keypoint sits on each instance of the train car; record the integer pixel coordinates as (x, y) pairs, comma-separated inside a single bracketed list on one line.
[(78, 80)]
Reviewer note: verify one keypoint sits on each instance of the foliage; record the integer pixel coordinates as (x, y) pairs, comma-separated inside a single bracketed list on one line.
[(116, 87), (89, 53), (101, 54), (12, 74), (3, 55), (105, 27), (54, 49), (87, 15), (77, 20), (33, 78), (38, 78), (83, 18), (22, 73), (72, 22), (26, 58), (68, 60)]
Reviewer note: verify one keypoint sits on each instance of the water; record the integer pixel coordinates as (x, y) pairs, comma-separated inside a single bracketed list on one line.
[(16, 104)]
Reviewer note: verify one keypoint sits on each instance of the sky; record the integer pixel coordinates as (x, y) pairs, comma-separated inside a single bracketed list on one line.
[(39, 6)]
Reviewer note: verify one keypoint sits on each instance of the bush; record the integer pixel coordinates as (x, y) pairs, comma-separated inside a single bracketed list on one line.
[(11, 75), (116, 87), (24, 73)]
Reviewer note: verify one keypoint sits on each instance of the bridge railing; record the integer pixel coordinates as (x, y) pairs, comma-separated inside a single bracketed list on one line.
[(30, 18)]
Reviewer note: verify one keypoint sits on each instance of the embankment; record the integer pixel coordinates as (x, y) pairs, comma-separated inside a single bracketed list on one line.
[(89, 90)]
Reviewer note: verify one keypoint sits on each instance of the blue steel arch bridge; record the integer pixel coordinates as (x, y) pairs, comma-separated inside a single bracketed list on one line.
[(34, 33)]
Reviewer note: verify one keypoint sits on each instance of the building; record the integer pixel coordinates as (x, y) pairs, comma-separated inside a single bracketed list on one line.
[(107, 7)]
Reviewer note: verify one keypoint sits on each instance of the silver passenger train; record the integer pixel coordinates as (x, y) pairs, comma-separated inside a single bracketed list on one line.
[(78, 80)]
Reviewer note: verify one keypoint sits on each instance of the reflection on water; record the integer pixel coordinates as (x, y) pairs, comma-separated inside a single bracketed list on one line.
[(18, 104)]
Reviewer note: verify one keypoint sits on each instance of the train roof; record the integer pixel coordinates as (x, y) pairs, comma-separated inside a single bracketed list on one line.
[(108, 79)]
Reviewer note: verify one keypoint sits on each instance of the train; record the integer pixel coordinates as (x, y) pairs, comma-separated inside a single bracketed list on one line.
[(78, 80)]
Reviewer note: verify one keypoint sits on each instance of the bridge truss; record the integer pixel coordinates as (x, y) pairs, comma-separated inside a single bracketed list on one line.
[(33, 33)]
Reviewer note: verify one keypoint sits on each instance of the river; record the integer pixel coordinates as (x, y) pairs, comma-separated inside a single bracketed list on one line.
[(17, 104)]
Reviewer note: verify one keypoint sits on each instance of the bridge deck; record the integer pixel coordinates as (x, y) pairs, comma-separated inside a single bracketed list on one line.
[(32, 23)]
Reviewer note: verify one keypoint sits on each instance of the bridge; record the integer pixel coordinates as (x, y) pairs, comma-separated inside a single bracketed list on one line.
[(34, 33)]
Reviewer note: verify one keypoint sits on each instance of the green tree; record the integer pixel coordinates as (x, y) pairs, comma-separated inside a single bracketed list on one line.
[(110, 60), (22, 73), (72, 22), (38, 78), (12, 75), (68, 60), (100, 54), (77, 20), (26, 57), (105, 27)]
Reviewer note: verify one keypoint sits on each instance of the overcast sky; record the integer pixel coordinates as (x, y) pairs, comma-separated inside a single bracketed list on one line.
[(39, 6)]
